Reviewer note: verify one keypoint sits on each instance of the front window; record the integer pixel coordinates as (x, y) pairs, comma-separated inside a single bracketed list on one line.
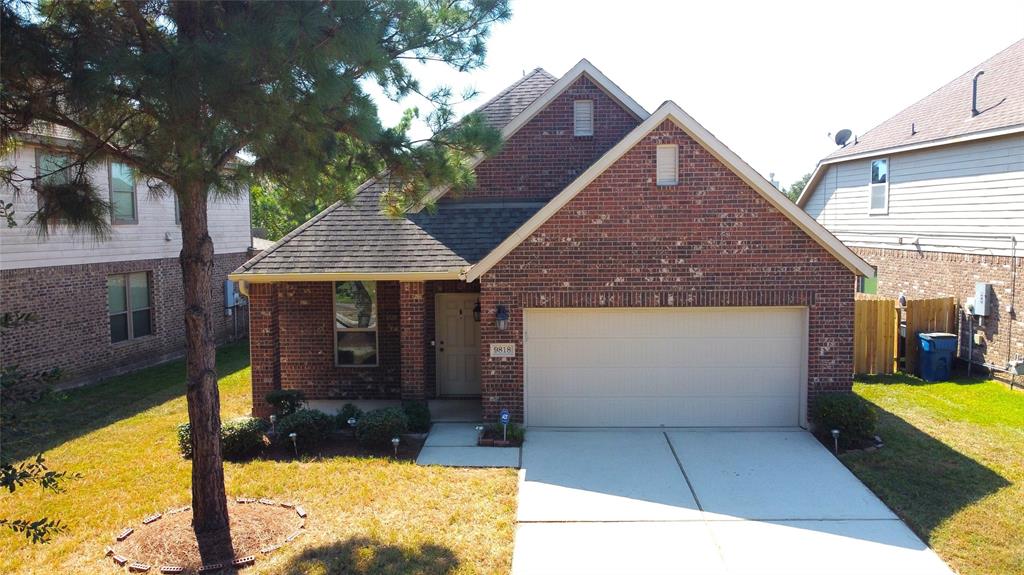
[(122, 194), (355, 323), (128, 306), (879, 187)]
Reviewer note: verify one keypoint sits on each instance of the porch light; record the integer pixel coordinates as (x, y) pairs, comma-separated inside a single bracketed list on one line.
[(501, 318), (476, 311)]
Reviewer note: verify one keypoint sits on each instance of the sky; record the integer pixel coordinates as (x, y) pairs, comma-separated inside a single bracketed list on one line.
[(771, 80)]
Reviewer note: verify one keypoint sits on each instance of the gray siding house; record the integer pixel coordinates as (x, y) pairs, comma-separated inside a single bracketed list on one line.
[(934, 198)]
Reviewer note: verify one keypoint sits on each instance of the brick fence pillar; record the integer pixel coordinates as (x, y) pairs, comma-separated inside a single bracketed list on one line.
[(413, 340), (264, 345)]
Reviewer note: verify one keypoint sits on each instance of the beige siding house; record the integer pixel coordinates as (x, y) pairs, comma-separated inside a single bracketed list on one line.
[(934, 198)]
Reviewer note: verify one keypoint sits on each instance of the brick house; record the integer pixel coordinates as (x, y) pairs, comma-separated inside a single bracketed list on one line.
[(113, 306), (934, 198), (610, 268)]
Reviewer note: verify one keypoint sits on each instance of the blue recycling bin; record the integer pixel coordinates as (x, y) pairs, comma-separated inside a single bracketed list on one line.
[(935, 361)]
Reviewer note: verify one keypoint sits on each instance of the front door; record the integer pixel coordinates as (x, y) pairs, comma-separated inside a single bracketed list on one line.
[(458, 344)]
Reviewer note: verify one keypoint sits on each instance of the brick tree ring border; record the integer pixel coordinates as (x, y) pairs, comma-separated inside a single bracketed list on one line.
[(236, 563)]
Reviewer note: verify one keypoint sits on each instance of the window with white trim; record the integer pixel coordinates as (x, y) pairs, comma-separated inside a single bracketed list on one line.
[(355, 323), (583, 117), (122, 194), (878, 189), (128, 306), (668, 165)]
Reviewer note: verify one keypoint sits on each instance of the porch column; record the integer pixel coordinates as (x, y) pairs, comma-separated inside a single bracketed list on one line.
[(264, 345), (413, 339)]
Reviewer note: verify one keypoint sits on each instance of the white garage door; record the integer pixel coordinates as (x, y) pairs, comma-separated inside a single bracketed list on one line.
[(698, 367)]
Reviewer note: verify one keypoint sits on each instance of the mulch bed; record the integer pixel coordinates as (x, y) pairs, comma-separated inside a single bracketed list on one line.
[(170, 541), (344, 445)]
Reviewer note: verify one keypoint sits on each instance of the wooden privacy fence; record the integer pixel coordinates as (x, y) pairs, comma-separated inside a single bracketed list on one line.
[(875, 327), (926, 316)]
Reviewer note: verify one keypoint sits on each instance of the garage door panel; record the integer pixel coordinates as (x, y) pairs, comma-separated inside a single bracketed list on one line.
[(674, 352), (673, 367), (645, 411), (663, 381)]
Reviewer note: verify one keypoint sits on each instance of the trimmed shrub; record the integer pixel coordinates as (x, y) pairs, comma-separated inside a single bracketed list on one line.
[(312, 427), (418, 414), (286, 401), (376, 428), (515, 434), (347, 412), (185, 440), (848, 413), (240, 438)]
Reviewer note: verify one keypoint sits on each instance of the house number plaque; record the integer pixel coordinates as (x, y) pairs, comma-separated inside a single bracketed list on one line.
[(503, 350)]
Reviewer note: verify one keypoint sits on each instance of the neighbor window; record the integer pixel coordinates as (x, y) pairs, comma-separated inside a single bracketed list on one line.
[(49, 168), (177, 211), (122, 194), (355, 323), (867, 285), (668, 165), (583, 117), (879, 188), (128, 305)]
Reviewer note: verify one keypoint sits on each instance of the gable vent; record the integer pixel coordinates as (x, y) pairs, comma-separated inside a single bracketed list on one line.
[(668, 165), (583, 117)]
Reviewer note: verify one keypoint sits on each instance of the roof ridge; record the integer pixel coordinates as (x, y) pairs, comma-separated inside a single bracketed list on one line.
[(513, 86), (248, 265)]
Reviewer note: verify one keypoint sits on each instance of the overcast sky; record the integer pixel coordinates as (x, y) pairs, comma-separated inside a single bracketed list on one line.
[(770, 79)]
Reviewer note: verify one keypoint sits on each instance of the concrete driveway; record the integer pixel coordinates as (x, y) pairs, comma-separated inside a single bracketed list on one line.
[(700, 501)]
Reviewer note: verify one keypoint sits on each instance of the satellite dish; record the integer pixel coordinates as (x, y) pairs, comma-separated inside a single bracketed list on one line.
[(843, 136)]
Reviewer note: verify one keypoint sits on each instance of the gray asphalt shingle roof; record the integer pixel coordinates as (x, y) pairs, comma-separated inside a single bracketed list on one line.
[(946, 112), (357, 237)]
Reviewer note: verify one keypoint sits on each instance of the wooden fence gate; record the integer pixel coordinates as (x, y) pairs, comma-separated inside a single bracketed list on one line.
[(875, 328), (927, 316)]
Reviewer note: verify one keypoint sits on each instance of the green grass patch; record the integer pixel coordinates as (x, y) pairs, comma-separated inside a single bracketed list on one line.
[(952, 466), (367, 515)]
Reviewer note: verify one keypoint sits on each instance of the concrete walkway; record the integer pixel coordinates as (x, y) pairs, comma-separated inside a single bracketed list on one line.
[(701, 501), (454, 445)]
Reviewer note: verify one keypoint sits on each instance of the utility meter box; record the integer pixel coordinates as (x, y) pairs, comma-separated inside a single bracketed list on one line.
[(982, 298)]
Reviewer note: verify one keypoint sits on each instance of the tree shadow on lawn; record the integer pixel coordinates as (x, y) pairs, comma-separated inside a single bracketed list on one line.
[(920, 478), (362, 555), (65, 415)]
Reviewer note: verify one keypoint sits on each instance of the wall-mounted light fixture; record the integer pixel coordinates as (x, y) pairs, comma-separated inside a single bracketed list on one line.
[(501, 318), (476, 311)]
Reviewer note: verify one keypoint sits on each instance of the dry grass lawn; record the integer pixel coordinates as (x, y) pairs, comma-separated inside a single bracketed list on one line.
[(952, 467), (366, 515)]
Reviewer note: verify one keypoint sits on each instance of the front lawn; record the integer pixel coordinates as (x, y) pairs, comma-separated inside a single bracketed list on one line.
[(952, 467), (366, 515)]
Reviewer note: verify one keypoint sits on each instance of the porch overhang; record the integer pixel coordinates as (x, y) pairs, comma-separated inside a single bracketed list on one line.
[(346, 276)]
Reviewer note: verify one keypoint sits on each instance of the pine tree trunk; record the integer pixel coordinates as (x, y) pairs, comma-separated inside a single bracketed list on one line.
[(209, 501)]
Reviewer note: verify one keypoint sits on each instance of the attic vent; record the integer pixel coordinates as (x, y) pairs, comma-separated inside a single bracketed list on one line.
[(583, 117), (668, 165)]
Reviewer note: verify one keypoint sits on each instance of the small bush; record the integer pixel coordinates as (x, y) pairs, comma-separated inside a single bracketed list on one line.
[(376, 428), (240, 438), (848, 413), (515, 433), (286, 401), (347, 412), (185, 440), (418, 414), (312, 427)]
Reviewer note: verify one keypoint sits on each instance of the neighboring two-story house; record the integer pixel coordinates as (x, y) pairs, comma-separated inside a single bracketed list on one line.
[(934, 198), (111, 306), (611, 267)]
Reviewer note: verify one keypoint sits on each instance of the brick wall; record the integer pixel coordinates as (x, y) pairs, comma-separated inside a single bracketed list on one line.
[(304, 340), (412, 341), (942, 274), (544, 156), (73, 327), (709, 241)]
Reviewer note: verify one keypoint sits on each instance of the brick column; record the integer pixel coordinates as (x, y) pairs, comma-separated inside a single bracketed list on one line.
[(413, 339), (264, 345)]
